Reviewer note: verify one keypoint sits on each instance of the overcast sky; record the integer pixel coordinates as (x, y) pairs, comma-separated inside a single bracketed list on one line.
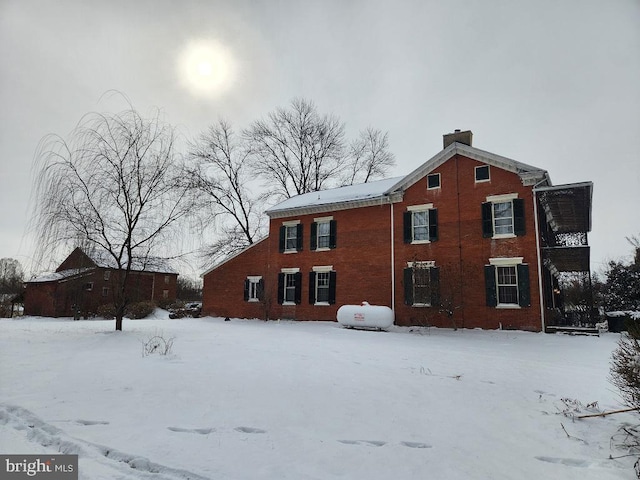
[(551, 83)]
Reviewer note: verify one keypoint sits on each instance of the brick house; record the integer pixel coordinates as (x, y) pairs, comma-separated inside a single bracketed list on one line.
[(85, 281), (469, 239)]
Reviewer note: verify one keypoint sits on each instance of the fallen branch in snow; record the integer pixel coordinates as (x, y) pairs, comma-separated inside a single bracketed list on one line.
[(604, 414), (427, 371), (571, 436)]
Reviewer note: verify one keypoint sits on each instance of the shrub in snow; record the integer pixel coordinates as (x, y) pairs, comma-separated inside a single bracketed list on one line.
[(106, 311), (157, 344), (140, 309), (625, 365)]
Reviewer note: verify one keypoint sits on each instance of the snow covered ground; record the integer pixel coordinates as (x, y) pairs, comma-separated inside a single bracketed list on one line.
[(284, 400)]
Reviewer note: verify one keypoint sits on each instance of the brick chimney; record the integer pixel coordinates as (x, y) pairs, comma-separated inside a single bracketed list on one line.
[(457, 136)]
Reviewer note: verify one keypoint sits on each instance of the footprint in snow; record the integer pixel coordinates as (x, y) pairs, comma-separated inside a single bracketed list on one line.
[(415, 445), (249, 430), (371, 443), (91, 422), (201, 431), (570, 462), (380, 443)]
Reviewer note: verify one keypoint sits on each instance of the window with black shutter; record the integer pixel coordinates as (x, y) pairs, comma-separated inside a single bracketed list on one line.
[(420, 224), (503, 217), (422, 285)]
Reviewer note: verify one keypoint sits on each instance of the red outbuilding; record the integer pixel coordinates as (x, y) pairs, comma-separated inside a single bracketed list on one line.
[(85, 281)]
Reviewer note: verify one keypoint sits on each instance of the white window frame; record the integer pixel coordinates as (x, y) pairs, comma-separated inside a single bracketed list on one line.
[(289, 273), (439, 181), (419, 209), (105, 291), (323, 221), (324, 270), (254, 281), (500, 199), (291, 225), (510, 262), (475, 174)]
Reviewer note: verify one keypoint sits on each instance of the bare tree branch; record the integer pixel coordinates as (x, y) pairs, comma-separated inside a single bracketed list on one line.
[(115, 184)]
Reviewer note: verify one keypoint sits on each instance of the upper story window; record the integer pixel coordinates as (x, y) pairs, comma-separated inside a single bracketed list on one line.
[(290, 237), (507, 283), (253, 289), (483, 174), (420, 224), (167, 279), (503, 216), (421, 284), (323, 233), (106, 275), (433, 181)]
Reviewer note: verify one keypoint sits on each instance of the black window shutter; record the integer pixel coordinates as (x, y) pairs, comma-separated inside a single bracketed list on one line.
[(408, 286), (314, 236), (519, 227), (246, 289), (299, 237), (433, 225), (281, 240), (333, 227), (332, 288), (406, 227), (298, 279), (487, 220), (434, 279), (490, 285), (281, 288), (260, 289), (524, 291), (312, 288)]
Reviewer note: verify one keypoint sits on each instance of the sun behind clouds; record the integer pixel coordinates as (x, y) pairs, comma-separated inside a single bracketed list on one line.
[(206, 68)]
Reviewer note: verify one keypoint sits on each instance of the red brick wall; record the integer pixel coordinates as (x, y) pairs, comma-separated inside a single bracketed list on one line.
[(362, 259), (223, 288), (461, 246)]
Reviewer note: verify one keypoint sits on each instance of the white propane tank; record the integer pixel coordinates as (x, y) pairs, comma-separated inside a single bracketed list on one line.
[(365, 316)]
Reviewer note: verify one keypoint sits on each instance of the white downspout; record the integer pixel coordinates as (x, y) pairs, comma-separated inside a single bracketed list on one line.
[(393, 268), (538, 253)]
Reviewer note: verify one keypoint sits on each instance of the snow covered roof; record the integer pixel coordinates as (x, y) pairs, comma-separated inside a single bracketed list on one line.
[(57, 276), (338, 198), (391, 189), (148, 264)]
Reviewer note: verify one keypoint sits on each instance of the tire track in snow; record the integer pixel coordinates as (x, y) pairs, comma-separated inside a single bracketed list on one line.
[(107, 462)]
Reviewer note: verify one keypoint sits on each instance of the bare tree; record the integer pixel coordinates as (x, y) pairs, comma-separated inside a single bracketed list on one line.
[(116, 185), (220, 182), (296, 150), (369, 157), (11, 276)]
